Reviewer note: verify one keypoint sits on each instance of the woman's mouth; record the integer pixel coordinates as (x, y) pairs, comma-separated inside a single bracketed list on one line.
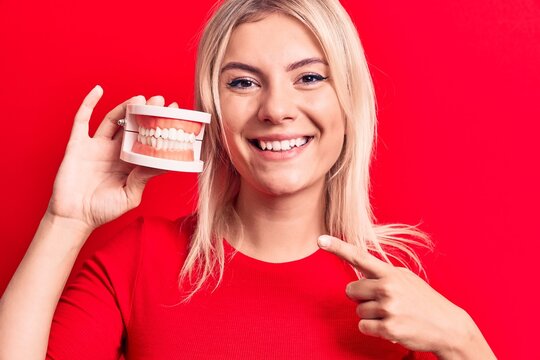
[(280, 145)]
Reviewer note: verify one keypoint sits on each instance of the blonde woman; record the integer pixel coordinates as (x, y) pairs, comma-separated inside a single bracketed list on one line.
[(282, 258)]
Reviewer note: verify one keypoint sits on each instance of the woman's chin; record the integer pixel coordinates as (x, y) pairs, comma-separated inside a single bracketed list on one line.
[(284, 187)]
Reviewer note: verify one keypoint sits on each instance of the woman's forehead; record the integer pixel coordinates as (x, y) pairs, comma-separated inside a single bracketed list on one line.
[(275, 38)]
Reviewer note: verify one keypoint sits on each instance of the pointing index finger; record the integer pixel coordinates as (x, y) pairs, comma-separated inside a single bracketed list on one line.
[(368, 264)]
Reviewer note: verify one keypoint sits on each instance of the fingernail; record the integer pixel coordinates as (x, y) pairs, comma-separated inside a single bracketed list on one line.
[(325, 241)]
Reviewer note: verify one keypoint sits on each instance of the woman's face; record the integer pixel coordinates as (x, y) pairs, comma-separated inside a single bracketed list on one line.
[(281, 115)]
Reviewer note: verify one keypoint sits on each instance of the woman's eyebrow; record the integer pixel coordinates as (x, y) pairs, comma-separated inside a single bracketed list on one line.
[(241, 66), (304, 62), (252, 69)]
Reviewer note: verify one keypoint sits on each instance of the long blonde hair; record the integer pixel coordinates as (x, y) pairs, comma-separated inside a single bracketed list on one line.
[(348, 214)]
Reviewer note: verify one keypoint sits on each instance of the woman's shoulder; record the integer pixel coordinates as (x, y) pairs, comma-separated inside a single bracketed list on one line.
[(148, 238)]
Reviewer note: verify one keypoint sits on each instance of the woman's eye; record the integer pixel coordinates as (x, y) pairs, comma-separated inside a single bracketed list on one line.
[(241, 83), (312, 78)]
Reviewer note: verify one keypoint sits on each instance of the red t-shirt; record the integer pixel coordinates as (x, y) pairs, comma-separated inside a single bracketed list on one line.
[(126, 301)]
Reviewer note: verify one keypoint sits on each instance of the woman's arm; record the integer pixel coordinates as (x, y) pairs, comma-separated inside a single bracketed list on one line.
[(397, 305), (28, 304), (93, 186)]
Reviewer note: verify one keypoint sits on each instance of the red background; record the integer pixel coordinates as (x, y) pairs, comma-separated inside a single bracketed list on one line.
[(457, 85)]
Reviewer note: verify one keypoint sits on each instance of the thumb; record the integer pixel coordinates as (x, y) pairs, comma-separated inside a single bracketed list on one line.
[(136, 182)]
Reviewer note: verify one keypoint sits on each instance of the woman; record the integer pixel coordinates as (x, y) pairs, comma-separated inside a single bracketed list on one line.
[(287, 160)]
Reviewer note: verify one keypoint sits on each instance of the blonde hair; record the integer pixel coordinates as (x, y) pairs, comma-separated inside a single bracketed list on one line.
[(348, 214)]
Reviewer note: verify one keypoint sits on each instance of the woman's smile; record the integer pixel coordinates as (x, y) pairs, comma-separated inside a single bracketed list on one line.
[(280, 146)]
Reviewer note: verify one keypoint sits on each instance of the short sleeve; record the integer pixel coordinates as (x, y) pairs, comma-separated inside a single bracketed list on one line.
[(91, 316)]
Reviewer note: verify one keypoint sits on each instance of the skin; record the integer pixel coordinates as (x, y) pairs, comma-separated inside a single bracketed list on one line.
[(93, 187)]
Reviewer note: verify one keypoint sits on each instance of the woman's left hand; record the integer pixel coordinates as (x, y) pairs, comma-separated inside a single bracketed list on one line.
[(397, 305)]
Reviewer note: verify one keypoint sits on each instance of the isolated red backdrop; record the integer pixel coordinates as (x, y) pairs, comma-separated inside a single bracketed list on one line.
[(458, 91)]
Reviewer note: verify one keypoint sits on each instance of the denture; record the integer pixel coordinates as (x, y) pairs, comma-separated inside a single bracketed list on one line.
[(164, 137)]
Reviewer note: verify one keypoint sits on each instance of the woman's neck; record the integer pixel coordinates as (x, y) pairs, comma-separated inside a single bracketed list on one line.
[(280, 228)]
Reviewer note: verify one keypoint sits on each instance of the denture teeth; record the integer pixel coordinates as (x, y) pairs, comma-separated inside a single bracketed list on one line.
[(180, 136), (153, 141), (157, 134), (172, 133), (159, 144), (165, 133), (191, 138), (152, 132)]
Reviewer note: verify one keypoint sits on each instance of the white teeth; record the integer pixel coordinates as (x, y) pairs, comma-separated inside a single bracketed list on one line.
[(172, 133), (170, 139), (283, 145)]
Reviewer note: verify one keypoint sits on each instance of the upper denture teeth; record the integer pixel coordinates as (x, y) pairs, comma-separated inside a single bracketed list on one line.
[(180, 135), (157, 134), (172, 133)]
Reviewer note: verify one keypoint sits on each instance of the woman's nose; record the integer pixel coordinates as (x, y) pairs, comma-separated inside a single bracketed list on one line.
[(278, 104)]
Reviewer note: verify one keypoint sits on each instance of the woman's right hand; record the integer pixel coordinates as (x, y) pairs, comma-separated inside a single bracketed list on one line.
[(93, 186)]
